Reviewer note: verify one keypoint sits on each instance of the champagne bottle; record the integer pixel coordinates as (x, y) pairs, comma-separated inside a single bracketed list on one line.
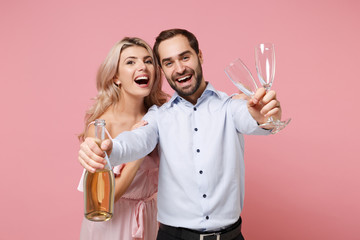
[(99, 186)]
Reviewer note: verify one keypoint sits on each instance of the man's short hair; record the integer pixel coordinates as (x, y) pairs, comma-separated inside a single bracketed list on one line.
[(167, 34)]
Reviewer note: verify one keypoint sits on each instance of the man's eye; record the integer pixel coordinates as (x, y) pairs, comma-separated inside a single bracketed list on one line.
[(185, 58), (167, 64)]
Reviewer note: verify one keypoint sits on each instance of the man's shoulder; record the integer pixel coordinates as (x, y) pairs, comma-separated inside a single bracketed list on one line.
[(158, 109), (216, 93), (228, 98), (223, 95), (219, 96)]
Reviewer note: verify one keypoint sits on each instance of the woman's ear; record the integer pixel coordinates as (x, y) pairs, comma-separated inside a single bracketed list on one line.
[(117, 81)]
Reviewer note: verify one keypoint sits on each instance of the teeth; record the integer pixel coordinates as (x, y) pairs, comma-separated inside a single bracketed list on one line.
[(142, 80), (184, 78)]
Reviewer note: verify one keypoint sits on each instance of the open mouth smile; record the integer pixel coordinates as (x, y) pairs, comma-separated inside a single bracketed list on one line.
[(184, 79), (142, 81)]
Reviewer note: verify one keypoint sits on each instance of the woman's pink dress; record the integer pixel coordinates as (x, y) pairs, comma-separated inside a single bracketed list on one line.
[(135, 212)]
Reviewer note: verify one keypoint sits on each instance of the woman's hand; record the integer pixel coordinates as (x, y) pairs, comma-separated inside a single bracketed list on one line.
[(139, 124)]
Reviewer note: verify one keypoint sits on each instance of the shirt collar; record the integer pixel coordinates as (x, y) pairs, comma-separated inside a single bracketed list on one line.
[(207, 92)]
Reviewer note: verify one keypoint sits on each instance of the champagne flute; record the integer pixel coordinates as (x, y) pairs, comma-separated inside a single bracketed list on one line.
[(265, 67), (241, 77)]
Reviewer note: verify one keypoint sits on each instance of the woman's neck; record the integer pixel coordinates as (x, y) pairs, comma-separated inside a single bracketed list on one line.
[(131, 107)]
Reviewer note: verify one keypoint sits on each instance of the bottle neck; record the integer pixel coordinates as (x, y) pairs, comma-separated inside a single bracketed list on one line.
[(100, 132), (100, 135)]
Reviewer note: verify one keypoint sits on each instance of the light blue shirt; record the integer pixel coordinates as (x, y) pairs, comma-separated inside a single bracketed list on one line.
[(201, 148)]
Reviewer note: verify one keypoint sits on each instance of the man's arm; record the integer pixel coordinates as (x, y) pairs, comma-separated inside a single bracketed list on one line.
[(131, 145), (127, 146), (247, 115)]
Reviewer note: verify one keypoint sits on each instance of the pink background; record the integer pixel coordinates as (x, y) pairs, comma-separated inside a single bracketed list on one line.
[(302, 183)]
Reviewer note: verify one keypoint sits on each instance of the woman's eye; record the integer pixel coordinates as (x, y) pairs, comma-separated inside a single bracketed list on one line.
[(149, 61), (130, 62)]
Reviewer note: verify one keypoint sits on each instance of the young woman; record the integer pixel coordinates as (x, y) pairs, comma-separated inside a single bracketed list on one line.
[(128, 83)]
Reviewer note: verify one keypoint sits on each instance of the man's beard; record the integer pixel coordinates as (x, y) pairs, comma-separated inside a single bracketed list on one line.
[(192, 90)]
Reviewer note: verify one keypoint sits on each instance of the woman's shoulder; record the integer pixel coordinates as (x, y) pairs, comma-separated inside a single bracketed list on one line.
[(116, 123), (90, 132)]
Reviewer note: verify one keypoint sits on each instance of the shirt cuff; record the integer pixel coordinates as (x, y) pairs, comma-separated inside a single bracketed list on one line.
[(257, 130), (115, 154)]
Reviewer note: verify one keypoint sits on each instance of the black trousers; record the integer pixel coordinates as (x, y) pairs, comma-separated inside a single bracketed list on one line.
[(163, 235)]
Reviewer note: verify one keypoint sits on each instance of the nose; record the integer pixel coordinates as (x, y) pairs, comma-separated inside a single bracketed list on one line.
[(179, 67), (141, 66)]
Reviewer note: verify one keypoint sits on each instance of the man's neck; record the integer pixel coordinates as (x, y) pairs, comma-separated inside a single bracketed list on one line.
[(194, 97)]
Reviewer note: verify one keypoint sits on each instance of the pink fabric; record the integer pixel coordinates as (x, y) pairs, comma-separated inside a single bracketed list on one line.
[(135, 212), (139, 215)]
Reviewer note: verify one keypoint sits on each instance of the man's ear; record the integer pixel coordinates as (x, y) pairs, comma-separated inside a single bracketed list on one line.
[(200, 57), (160, 69)]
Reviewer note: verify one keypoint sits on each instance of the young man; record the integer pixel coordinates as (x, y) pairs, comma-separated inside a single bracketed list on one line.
[(200, 136)]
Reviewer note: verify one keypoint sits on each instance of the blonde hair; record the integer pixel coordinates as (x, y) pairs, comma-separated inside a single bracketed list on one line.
[(109, 92)]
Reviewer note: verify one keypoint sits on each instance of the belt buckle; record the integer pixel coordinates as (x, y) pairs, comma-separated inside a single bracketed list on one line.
[(210, 234)]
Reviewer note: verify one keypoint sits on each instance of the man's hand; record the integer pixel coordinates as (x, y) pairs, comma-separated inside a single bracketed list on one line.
[(264, 105), (91, 156)]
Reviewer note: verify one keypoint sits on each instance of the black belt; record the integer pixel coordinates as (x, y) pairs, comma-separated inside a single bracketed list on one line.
[(225, 234)]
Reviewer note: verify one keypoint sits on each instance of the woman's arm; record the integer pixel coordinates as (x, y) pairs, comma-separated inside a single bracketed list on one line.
[(127, 174)]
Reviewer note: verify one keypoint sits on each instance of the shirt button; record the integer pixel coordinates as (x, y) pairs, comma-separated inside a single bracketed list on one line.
[(198, 150), (195, 129), (195, 108), (207, 217), (201, 172), (204, 196)]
